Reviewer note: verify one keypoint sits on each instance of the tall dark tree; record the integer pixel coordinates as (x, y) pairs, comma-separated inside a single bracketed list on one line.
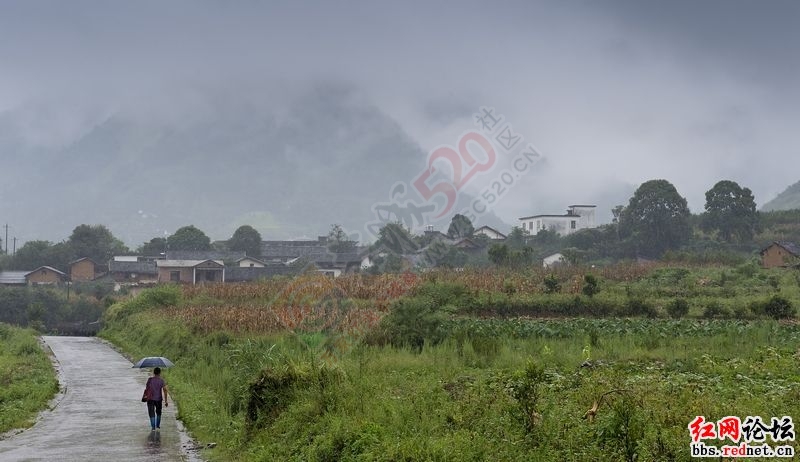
[(460, 227), (339, 241), (396, 238), (42, 253), (657, 218), (517, 238), (32, 255), (95, 242), (246, 239), (154, 247), (731, 211), (189, 238)]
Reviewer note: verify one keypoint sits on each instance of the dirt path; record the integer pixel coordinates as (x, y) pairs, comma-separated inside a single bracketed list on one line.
[(99, 415)]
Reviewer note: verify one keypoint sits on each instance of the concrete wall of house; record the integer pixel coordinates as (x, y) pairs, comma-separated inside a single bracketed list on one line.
[(776, 256), (587, 216), (130, 277), (490, 234), (165, 271), (44, 276), (208, 275), (82, 271), (246, 263)]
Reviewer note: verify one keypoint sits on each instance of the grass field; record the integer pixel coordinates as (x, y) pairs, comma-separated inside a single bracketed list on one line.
[(477, 366), (27, 378)]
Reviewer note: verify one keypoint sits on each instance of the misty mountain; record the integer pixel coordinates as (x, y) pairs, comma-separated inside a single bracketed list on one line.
[(787, 200), (289, 167)]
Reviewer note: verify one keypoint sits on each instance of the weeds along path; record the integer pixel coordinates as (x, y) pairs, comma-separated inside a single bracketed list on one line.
[(99, 415)]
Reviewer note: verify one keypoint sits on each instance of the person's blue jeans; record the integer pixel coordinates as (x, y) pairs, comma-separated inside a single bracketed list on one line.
[(154, 411)]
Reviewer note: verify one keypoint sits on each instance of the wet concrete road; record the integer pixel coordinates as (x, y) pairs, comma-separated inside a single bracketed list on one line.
[(100, 416)]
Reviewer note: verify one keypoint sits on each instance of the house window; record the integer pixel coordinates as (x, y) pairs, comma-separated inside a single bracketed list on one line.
[(572, 224), (175, 276), (523, 226)]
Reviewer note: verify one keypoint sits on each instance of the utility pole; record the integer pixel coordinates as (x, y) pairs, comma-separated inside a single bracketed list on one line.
[(6, 241)]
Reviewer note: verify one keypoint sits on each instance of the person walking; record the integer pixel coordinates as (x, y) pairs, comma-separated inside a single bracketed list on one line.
[(156, 391)]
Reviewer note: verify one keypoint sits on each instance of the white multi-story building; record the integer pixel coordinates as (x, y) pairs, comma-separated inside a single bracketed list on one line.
[(577, 217)]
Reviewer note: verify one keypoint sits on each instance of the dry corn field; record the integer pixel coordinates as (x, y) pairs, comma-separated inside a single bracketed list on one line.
[(353, 302)]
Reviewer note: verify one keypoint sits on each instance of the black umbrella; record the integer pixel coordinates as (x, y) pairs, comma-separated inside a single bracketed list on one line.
[(153, 361)]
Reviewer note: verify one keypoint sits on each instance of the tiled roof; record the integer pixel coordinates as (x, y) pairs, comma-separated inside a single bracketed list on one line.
[(13, 277), (231, 255), (183, 263), (139, 267), (311, 250), (50, 268), (793, 248), (244, 274)]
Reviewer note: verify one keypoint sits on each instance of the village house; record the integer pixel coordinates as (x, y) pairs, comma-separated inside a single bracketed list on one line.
[(316, 252), (490, 232), (553, 260), (45, 275), (190, 271), (250, 262), (780, 254), (132, 270), (83, 270), (578, 217)]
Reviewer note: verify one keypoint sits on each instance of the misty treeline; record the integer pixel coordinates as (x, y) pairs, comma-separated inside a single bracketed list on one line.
[(54, 310), (656, 223)]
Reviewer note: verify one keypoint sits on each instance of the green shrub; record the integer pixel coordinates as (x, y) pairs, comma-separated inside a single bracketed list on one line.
[(715, 310), (638, 307), (678, 308), (623, 429), (525, 386), (413, 322), (160, 296), (446, 294), (590, 287), (747, 269), (778, 307), (551, 284)]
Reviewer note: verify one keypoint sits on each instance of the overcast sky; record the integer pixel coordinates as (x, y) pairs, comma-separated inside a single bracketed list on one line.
[(610, 91)]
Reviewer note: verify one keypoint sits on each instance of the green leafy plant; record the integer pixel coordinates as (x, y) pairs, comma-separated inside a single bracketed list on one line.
[(551, 284), (678, 308)]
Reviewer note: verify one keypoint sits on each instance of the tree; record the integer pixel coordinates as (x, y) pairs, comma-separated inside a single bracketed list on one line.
[(31, 255), (657, 218), (42, 253), (246, 239), (517, 238), (339, 241), (503, 255), (95, 242), (731, 210), (189, 238), (498, 254), (394, 237), (460, 227), (156, 246)]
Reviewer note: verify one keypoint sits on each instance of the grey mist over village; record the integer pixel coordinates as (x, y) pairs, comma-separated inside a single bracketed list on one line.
[(352, 230)]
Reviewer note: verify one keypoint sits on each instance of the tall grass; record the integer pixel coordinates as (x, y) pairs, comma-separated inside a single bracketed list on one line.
[(456, 400), (27, 378)]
